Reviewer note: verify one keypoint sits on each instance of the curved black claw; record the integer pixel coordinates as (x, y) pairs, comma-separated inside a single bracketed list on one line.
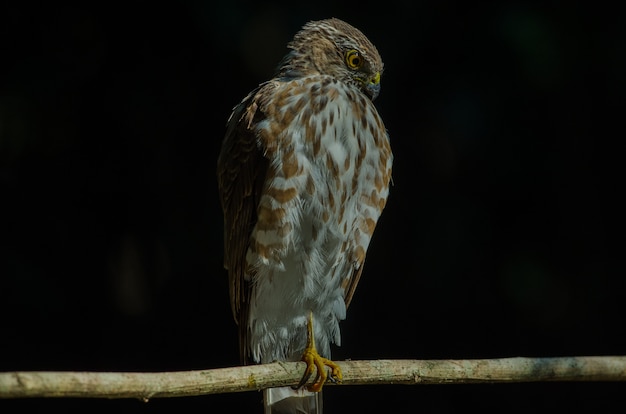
[(305, 377), (314, 360)]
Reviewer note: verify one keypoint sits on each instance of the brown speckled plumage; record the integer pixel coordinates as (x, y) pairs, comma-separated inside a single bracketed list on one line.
[(304, 175)]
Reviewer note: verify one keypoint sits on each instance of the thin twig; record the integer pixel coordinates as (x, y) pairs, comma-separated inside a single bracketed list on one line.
[(145, 386)]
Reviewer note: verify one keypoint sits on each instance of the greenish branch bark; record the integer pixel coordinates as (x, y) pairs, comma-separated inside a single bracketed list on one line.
[(144, 386)]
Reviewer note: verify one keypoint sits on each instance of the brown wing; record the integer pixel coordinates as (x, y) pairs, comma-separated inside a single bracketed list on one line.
[(241, 170), (351, 284)]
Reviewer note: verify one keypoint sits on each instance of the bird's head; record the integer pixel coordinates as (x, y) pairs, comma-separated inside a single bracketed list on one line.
[(333, 47)]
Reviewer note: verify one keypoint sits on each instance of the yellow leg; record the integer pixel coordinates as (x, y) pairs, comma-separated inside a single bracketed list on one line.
[(316, 361)]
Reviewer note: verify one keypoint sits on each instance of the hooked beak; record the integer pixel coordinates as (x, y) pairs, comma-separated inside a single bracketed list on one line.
[(372, 86)]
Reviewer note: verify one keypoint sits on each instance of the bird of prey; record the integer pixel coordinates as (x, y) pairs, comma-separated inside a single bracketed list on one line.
[(303, 176)]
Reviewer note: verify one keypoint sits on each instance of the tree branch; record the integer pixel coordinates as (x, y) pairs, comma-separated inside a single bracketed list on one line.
[(145, 386)]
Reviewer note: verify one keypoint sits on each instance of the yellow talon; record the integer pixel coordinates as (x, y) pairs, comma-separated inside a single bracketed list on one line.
[(315, 360)]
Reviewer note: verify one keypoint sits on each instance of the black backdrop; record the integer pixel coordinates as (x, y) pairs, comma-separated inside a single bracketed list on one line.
[(503, 233)]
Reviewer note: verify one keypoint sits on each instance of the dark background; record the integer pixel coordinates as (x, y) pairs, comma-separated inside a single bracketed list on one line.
[(502, 236)]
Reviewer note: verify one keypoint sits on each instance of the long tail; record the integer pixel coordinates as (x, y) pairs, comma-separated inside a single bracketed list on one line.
[(286, 400)]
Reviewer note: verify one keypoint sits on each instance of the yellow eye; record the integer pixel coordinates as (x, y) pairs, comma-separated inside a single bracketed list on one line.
[(354, 60)]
